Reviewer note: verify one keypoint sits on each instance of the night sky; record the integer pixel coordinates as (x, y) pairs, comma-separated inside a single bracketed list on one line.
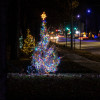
[(28, 12)]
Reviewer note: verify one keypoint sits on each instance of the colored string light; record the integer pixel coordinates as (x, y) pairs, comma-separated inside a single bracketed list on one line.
[(29, 43), (44, 58)]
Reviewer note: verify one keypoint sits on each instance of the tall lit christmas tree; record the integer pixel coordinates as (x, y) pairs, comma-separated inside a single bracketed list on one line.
[(45, 59), (29, 43)]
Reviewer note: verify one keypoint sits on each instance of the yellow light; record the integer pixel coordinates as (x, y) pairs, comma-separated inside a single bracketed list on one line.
[(28, 31), (43, 16), (29, 43), (51, 37)]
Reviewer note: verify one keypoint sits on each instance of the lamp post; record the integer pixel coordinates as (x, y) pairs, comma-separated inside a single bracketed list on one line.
[(66, 38), (66, 32), (71, 26), (66, 29), (78, 17), (74, 36), (88, 11)]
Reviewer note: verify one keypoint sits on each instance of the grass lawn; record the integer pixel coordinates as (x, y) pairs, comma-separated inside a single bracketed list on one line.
[(66, 66), (27, 88)]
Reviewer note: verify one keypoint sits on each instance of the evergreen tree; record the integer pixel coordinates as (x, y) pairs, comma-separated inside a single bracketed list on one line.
[(45, 59), (29, 43)]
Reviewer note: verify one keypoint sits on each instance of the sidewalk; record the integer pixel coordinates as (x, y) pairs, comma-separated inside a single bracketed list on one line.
[(93, 65)]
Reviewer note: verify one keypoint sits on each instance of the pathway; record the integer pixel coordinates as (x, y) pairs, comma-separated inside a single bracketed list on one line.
[(81, 60)]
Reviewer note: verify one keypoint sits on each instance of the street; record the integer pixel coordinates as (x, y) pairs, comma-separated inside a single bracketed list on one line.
[(91, 45)]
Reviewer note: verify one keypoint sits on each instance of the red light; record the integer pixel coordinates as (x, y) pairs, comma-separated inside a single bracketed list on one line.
[(56, 30), (60, 35), (98, 34)]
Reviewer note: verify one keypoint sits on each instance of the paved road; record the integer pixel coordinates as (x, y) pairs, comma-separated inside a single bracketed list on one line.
[(85, 62), (91, 45)]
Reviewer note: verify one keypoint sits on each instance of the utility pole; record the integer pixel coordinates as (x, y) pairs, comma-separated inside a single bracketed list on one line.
[(80, 33), (71, 26), (66, 38)]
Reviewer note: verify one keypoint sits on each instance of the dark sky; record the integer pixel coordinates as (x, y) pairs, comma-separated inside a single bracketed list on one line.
[(32, 9), (93, 4), (28, 12)]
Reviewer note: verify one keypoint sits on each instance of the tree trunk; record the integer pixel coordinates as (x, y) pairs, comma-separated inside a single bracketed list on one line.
[(14, 27), (3, 33)]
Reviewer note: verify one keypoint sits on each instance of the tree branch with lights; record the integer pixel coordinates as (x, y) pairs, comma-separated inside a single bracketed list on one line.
[(29, 43)]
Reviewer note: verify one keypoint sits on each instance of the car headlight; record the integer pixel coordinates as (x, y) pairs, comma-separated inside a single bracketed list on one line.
[(51, 37)]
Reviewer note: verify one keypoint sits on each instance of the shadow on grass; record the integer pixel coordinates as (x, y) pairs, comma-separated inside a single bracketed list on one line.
[(18, 66)]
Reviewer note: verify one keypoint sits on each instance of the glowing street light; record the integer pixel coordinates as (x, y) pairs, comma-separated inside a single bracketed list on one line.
[(78, 16), (75, 28), (67, 28), (78, 32), (88, 11)]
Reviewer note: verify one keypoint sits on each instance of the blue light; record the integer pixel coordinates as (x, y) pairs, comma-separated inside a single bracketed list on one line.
[(88, 11), (78, 16), (95, 37)]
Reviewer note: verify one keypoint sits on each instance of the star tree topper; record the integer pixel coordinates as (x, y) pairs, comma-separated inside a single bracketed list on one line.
[(28, 31), (43, 16)]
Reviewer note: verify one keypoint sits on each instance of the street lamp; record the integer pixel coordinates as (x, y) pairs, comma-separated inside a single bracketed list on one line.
[(78, 17), (88, 11), (74, 35), (66, 32), (71, 24)]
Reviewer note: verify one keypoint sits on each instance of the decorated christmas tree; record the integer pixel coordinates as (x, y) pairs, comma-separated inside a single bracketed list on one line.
[(29, 43), (45, 59)]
